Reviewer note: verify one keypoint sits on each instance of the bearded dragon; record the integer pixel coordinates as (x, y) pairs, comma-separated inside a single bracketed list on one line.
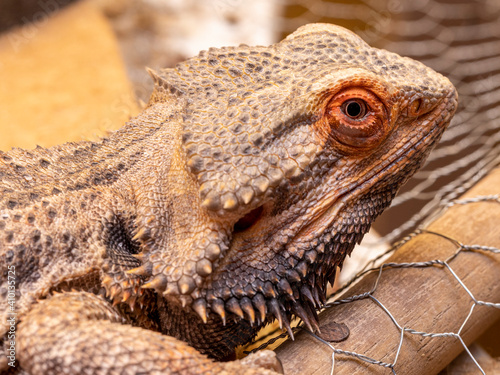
[(229, 202)]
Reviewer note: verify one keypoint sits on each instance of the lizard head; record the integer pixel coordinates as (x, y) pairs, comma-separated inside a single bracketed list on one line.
[(293, 150)]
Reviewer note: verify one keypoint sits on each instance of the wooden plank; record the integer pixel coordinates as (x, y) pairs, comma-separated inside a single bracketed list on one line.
[(425, 299)]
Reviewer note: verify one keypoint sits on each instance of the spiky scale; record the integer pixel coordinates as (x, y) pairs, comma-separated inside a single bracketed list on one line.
[(156, 78), (141, 235), (132, 301), (274, 308), (212, 252), (302, 314), (172, 289), (293, 276), (275, 176), (246, 194), (200, 307), (127, 283), (317, 299), (140, 256), (218, 308), (311, 256), (246, 306), (204, 267), (320, 248), (144, 270), (311, 311), (331, 277), (285, 287), (288, 328), (212, 204), (269, 291), (306, 292), (260, 304), (115, 290), (261, 184), (186, 284), (322, 295), (126, 295), (185, 300), (159, 283), (234, 306), (301, 268), (107, 280), (229, 202)]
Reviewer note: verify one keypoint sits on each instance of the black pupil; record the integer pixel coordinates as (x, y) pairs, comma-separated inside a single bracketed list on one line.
[(353, 109)]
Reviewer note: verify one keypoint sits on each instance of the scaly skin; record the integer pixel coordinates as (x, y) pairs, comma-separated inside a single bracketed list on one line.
[(229, 202)]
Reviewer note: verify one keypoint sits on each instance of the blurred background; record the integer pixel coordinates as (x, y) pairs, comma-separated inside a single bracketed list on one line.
[(74, 70)]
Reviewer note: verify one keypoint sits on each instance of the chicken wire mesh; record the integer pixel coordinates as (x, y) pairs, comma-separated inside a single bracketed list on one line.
[(460, 39)]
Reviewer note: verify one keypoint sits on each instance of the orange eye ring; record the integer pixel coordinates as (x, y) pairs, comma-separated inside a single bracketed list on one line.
[(357, 119)]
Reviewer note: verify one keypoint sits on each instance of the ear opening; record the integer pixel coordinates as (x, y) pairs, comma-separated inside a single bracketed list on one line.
[(248, 220)]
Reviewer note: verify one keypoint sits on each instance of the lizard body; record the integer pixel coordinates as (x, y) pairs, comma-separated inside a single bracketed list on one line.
[(227, 203)]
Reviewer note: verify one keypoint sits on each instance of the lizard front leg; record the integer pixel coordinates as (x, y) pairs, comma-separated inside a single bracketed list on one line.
[(80, 333)]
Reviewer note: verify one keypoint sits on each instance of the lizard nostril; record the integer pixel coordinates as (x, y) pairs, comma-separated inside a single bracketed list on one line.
[(416, 108)]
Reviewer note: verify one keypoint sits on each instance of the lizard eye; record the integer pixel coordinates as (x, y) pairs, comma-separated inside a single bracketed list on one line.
[(354, 108), (357, 119)]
